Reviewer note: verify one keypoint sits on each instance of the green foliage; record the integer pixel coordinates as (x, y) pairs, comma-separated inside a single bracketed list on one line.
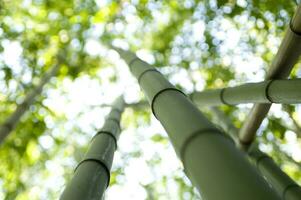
[(191, 36)]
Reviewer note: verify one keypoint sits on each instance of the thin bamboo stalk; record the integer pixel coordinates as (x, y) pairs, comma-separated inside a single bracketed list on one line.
[(210, 158), (287, 55), (92, 174), (287, 188), (273, 91), (15, 117), (280, 181)]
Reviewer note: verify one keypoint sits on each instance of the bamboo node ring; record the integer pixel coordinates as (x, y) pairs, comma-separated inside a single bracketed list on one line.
[(106, 133), (222, 97), (287, 188), (132, 61), (197, 134), (266, 91), (160, 92), (291, 28), (100, 162), (144, 72)]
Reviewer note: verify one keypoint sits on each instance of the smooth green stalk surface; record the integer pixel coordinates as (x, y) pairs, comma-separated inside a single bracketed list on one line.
[(276, 91), (92, 175), (210, 158), (280, 181)]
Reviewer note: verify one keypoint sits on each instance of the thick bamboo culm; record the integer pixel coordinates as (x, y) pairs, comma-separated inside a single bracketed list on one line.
[(15, 117), (210, 158), (286, 57), (92, 174), (286, 188), (272, 91)]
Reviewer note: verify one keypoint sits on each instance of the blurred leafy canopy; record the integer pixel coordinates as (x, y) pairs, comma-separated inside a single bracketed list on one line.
[(50, 32)]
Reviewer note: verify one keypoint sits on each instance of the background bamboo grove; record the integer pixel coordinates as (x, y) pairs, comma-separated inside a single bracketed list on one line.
[(64, 65)]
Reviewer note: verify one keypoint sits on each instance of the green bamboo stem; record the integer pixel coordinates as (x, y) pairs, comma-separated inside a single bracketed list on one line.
[(274, 91), (210, 158), (286, 57), (92, 174), (15, 117), (280, 181)]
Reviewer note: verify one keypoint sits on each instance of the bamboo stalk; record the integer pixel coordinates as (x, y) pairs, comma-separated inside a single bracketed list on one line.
[(280, 181), (275, 91), (287, 55), (210, 158), (15, 117), (92, 174)]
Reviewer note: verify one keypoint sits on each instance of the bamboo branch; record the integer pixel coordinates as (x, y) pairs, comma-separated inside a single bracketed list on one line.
[(15, 117), (275, 91), (210, 158), (287, 56), (92, 174)]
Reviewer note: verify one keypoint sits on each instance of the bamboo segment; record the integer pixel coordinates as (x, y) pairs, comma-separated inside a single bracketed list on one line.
[(280, 181), (287, 55), (285, 91), (210, 158), (92, 174), (209, 97), (15, 117), (276, 91)]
